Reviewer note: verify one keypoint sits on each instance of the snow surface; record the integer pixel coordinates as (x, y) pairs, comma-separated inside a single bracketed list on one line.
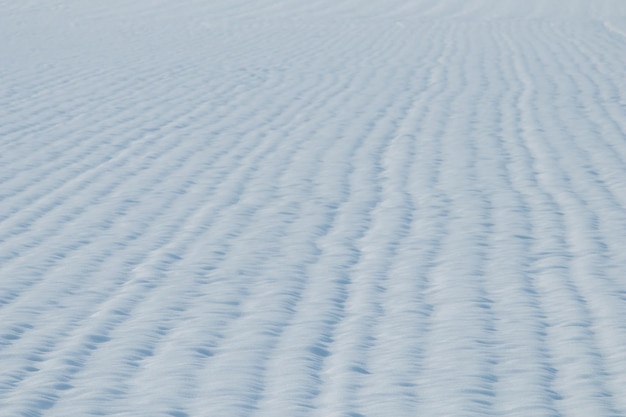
[(332, 208)]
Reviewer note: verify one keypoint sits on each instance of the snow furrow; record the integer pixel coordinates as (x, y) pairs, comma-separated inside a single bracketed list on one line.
[(525, 359), (553, 259)]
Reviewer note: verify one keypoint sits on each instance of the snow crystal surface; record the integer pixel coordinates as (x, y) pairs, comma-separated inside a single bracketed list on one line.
[(332, 208)]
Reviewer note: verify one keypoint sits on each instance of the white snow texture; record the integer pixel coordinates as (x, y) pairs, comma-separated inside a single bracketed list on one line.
[(330, 208)]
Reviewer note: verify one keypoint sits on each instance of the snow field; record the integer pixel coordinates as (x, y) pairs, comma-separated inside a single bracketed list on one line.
[(312, 209)]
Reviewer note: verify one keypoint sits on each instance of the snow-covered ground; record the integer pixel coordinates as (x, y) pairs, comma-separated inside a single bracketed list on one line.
[(333, 208)]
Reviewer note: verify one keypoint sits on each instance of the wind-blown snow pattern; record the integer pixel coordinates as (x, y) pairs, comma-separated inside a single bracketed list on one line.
[(327, 208)]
